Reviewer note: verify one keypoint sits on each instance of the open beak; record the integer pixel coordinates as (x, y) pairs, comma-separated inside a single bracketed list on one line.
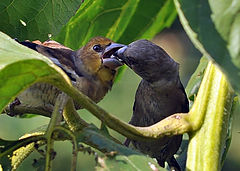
[(109, 59), (111, 49)]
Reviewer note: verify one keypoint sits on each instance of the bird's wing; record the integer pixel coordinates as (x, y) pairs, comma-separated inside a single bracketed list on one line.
[(58, 54), (185, 104)]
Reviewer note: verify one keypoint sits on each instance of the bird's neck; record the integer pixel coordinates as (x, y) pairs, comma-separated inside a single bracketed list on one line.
[(106, 76)]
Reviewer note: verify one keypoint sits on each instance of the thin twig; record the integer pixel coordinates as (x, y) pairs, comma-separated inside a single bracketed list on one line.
[(55, 120)]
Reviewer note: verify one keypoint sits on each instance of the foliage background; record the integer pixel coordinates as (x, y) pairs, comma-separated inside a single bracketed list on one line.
[(120, 100)]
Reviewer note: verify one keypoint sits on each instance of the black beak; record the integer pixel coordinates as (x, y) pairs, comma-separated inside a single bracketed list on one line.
[(109, 59), (111, 49), (120, 55), (112, 63)]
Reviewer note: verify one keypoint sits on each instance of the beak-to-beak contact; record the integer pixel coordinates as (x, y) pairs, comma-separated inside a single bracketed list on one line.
[(108, 56), (111, 49), (120, 55)]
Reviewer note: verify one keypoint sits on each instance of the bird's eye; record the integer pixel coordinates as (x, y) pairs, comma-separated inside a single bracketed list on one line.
[(97, 48)]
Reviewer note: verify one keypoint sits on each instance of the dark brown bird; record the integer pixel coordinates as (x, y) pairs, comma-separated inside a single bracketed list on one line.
[(90, 69), (159, 95)]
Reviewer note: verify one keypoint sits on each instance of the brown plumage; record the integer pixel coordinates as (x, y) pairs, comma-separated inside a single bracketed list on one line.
[(159, 95), (90, 69)]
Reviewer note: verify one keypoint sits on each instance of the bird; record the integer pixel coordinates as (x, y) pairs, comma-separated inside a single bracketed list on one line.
[(90, 69), (159, 95)]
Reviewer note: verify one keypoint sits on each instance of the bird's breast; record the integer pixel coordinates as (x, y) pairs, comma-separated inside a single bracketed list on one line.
[(39, 95), (94, 89), (153, 105)]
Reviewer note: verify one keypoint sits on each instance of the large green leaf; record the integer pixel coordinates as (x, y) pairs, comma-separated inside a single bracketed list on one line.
[(212, 33), (31, 19), (149, 19), (123, 20)]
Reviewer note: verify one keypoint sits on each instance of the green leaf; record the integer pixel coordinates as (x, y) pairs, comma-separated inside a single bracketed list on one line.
[(118, 157), (204, 25), (195, 80), (149, 19), (21, 67), (131, 162), (30, 19), (12, 153), (121, 20), (226, 17)]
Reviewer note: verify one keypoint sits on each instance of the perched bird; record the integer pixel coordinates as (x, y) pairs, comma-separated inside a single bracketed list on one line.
[(90, 69), (159, 95)]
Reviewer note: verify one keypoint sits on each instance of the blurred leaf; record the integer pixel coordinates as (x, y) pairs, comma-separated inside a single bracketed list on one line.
[(20, 67), (30, 19), (195, 80), (118, 157), (226, 17), (121, 20), (149, 19), (204, 27)]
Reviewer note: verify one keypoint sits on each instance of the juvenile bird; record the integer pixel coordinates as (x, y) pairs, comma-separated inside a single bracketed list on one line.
[(90, 69), (159, 95)]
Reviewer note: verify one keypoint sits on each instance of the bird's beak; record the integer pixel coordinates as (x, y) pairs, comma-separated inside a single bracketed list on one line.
[(108, 56), (120, 55), (111, 49), (112, 62)]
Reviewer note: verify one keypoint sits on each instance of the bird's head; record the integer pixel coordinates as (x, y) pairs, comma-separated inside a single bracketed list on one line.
[(148, 60), (97, 53)]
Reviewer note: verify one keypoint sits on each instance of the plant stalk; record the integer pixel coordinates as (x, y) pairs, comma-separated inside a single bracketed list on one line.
[(210, 113)]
